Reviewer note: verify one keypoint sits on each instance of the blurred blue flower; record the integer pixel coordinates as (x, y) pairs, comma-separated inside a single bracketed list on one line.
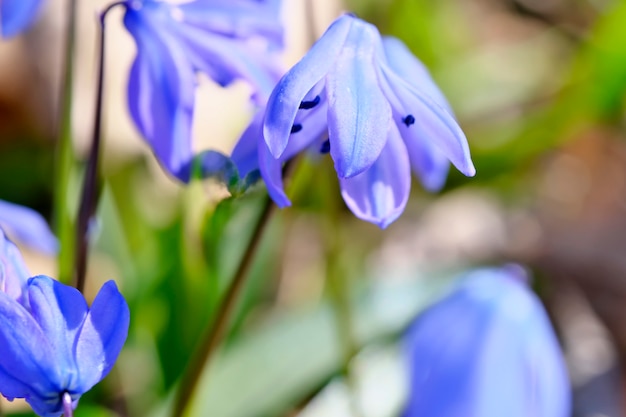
[(27, 227), (487, 350), (56, 346), (17, 15), (227, 40), (13, 272), (371, 105)]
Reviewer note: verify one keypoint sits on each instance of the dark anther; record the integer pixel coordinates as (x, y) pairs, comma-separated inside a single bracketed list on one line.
[(409, 120), (325, 147), (306, 105), (296, 128)]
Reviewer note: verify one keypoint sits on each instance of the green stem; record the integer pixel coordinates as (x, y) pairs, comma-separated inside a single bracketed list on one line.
[(65, 156), (215, 335)]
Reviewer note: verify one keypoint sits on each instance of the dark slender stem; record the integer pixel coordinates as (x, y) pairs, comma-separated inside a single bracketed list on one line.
[(214, 336), (65, 154), (92, 183), (67, 405)]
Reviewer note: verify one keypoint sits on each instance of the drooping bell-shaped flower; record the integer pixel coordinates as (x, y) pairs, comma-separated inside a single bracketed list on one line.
[(27, 227), (486, 350), (227, 40), (56, 348), (17, 15), (374, 108), (13, 272)]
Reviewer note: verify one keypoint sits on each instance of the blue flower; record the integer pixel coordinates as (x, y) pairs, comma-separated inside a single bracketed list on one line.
[(56, 346), (17, 15), (374, 108), (27, 226), (13, 272), (226, 40), (487, 350)]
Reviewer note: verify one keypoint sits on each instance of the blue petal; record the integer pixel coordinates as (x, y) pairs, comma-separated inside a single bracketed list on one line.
[(285, 100), (13, 271), (60, 311), (27, 362), (17, 15), (379, 195), (161, 90), (236, 18), (102, 336), (313, 122), (359, 115), (429, 164), (226, 60), (28, 227), (245, 154), (501, 358), (407, 66), (435, 123), (272, 172)]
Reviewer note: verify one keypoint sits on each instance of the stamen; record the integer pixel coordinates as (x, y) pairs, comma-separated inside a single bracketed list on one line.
[(296, 128), (67, 405), (325, 147), (306, 105), (408, 120)]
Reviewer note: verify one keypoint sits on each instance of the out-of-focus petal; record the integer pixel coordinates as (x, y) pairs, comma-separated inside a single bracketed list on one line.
[(28, 227), (161, 92), (438, 125), (17, 15), (214, 164), (407, 66), (236, 18), (380, 194), (25, 354), (225, 60), (285, 100), (486, 350), (245, 155), (359, 115), (102, 336), (60, 311), (13, 271)]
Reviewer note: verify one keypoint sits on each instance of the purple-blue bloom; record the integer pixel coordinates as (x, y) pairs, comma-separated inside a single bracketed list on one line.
[(17, 15), (373, 107), (227, 40), (487, 350), (55, 346), (27, 227)]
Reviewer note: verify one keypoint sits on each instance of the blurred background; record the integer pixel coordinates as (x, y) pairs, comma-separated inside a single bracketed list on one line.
[(539, 87)]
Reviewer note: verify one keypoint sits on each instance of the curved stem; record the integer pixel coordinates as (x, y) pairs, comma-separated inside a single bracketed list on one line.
[(65, 155), (215, 335), (92, 183)]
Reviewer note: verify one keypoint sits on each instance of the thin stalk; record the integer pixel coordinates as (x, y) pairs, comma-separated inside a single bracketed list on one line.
[(65, 156), (215, 335), (92, 183)]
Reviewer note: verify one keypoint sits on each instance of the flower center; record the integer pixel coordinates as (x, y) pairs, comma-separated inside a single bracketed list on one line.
[(408, 120)]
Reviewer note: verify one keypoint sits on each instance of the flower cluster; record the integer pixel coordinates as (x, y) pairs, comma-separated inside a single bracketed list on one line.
[(53, 347), (487, 350), (370, 104)]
